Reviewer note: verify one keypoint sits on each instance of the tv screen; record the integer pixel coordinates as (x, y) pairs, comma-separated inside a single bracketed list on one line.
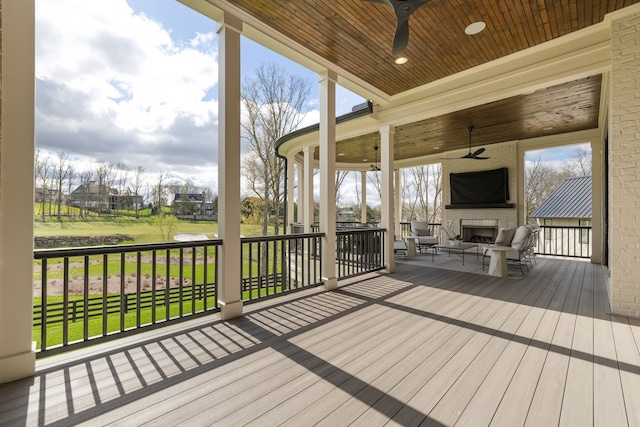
[(483, 187)]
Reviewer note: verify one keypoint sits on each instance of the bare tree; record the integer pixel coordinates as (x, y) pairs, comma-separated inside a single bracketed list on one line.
[(579, 164), (70, 181), (60, 175), (158, 194), (275, 104), (340, 177), (541, 179), (137, 183), (103, 174), (42, 170), (85, 197)]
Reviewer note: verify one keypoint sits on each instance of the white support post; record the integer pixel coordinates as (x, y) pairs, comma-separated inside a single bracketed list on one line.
[(230, 298), (363, 206), (290, 199), (307, 192), (398, 201), (17, 350), (387, 134), (328, 177), (299, 197)]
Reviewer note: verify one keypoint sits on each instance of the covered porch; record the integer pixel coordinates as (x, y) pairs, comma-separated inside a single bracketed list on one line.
[(420, 346)]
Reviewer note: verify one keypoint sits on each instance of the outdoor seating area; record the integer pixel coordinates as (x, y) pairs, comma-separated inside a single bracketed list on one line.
[(516, 246), (452, 348)]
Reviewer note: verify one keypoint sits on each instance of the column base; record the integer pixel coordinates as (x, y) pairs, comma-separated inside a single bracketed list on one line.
[(17, 366), (330, 283), (230, 310)]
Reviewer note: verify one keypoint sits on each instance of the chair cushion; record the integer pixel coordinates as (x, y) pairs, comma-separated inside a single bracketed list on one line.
[(505, 236), (520, 238), (427, 240), (420, 228)]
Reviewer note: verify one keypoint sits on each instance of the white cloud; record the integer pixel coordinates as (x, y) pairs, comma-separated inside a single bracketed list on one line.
[(113, 85)]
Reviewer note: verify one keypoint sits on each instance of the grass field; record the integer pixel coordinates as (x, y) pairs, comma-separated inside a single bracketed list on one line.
[(143, 230)]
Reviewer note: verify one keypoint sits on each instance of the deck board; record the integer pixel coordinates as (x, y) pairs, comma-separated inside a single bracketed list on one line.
[(421, 346)]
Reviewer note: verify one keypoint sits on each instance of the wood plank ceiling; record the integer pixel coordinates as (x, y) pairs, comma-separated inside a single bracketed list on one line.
[(357, 36)]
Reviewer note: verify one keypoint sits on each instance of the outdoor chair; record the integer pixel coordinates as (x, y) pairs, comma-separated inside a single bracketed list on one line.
[(521, 242), (400, 249), (424, 237)]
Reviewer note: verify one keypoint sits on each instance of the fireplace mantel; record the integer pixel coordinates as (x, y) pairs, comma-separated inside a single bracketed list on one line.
[(481, 206)]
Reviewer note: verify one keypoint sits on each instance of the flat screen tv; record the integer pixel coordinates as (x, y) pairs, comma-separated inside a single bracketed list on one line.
[(488, 189)]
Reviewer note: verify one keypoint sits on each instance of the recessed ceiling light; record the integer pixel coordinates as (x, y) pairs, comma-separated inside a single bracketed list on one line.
[(340, 154), (364, 160), (547, 128), (436, 148), (401, 60), (475, 28)]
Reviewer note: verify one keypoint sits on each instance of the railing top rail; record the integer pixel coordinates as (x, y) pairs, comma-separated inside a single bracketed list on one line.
[(117, 249), (279, 237), (361, 230), (569, 227)]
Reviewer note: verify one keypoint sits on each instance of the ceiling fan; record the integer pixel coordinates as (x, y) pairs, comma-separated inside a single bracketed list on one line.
[(475, 154), (374, 167), (403, 10)]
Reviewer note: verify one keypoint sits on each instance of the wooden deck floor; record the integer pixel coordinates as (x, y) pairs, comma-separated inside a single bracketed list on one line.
[(423, 346)]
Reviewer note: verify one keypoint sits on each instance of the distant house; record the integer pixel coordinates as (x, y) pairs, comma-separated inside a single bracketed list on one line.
[(566, 214), (102, 198), (192, 205)]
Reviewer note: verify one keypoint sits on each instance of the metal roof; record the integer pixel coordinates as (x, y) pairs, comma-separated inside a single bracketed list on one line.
[(572, 199)]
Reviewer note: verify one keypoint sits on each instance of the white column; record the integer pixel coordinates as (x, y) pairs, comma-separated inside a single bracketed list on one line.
[(387, 134), (328, 177), (230, 298), (299, 198), (307, 192), (290, 199), (17, 356), (597, 198), (363, 206), (398, 201), (624, 178)]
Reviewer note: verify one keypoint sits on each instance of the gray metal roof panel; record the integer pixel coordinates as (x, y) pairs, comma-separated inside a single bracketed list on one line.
[(572, 199)]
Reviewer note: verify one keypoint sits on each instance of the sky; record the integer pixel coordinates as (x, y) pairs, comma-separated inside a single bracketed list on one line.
[(135, 81)]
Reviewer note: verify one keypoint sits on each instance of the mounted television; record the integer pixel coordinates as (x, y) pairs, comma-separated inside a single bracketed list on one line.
[(483, 189)]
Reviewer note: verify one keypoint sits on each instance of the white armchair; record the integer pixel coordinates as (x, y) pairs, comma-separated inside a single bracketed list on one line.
[(424, 237)]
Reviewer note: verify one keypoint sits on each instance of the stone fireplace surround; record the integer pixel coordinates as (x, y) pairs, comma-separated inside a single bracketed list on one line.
[(479, 230), (494, 219)]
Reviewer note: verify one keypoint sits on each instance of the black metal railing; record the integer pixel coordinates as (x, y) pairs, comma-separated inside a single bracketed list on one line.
[(566, 241), (275, 265), (91, 294), (359, 251)]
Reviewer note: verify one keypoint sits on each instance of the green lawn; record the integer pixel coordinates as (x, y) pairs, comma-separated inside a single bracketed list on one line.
[(143, 230)]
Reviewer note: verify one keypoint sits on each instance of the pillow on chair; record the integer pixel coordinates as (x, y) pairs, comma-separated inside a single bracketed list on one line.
[(505, 236), (520, 238)]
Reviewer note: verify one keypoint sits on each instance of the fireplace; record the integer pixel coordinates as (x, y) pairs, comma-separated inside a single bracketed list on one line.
[(479, 230)]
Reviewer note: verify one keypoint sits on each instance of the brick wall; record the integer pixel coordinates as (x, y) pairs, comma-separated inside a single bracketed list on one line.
[(624, 174), (501, 155)]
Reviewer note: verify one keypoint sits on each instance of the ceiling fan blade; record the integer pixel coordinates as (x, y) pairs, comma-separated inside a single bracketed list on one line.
[(481, 158), (478, 152), (467, 156), (401, 39)]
